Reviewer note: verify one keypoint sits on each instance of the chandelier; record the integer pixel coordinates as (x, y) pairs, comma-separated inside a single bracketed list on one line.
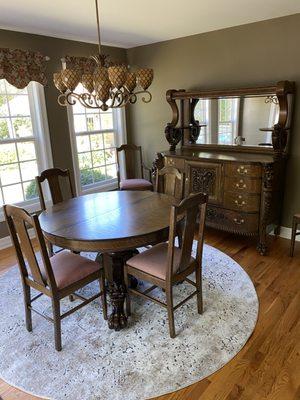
[(111, 85)]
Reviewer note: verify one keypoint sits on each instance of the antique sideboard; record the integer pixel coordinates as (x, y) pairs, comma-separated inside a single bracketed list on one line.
[(219, 155)]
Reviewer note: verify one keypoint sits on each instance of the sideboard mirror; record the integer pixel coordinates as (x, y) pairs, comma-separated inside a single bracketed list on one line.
[(236, 120), (257, 117)]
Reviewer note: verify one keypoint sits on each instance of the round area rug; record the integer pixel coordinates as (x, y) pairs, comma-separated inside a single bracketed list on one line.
[(138, 362)]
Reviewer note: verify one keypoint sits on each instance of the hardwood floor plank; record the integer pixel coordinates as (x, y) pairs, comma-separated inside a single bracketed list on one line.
[(267, 368)]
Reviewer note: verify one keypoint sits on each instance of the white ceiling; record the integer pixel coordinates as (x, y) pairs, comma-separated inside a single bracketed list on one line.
[(129, 23)]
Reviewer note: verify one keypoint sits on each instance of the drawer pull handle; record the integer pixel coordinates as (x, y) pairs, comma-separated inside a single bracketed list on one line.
[(242, 170), (240, 204), (239, 221), (241, 185)]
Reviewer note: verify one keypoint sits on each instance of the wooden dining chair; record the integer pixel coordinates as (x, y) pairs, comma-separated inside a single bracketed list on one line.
[(56, 277), (134, 169), (164, 264), (296, 222), (170, 181), (56, 178)]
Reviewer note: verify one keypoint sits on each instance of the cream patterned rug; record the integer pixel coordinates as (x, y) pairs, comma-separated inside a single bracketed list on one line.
[(139, 362)]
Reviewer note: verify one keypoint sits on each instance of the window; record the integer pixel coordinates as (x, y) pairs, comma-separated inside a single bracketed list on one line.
[(24, 142), (227, 120), (201, 114), (95, 134)]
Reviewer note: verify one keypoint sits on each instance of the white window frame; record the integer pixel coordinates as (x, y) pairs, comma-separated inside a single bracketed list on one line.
[(234, 121), (39, 120), (119, 126), (207, 110)]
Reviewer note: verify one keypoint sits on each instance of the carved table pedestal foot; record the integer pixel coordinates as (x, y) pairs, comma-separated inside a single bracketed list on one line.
[(117, 320), (114, 274)]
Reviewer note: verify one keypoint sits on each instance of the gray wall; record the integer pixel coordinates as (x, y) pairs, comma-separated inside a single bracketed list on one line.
[(259, 53), (57, 115)]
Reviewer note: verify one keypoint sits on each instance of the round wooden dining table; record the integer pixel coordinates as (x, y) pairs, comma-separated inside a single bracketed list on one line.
[(113, 224)]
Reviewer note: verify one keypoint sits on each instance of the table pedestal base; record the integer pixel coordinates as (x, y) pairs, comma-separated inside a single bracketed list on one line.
[(114, 273), (117, 320)]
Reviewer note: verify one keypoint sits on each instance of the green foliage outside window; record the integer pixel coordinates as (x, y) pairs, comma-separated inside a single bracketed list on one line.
[(31, 191), (3, 130)]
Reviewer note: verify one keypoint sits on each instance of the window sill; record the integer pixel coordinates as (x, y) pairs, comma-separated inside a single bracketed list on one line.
[(31, 208), (112, 185)]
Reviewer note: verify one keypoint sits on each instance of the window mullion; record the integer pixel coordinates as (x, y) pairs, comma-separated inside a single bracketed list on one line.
[(20, 172)]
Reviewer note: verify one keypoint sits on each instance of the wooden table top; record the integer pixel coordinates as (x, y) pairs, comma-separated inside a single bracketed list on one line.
[(108, 221)]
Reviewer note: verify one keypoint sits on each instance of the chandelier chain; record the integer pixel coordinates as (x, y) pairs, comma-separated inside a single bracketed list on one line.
[(98, 26)]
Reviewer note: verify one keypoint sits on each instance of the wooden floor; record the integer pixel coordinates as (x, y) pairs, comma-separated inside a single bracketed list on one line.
[(268, 367)]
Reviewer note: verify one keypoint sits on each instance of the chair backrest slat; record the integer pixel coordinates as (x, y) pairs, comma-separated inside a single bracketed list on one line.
[(53, 176), (170, 180), (19, 221), (27, 250), (186, 214), (133, 160)]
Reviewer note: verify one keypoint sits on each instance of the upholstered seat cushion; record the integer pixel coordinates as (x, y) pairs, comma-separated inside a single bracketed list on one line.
[(69, 268), (135, 184), (154, 261)]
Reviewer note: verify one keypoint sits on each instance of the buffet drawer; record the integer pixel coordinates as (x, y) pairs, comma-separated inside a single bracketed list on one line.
[(241, 202), (242, 185), (244, 170), (232, 221)]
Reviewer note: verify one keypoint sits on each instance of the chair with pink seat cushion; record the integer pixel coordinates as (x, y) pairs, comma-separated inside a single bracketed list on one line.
[(165, 265), (56, 277), (60, 188), (134, 169)]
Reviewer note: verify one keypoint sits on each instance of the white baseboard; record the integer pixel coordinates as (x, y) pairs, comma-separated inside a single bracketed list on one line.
[(285, 233), (6, 241)]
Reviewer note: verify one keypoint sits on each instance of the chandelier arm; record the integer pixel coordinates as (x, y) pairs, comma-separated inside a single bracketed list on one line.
[(86, 100), (149, 97), (98, 26), (62, 99), (133, 96), (120, 99), (70, 98), (117, 99)]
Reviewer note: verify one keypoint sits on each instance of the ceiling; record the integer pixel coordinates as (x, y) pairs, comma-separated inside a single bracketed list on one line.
[(130, 23)]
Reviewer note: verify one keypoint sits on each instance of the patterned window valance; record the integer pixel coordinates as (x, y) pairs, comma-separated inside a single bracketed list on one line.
[(19, 67)]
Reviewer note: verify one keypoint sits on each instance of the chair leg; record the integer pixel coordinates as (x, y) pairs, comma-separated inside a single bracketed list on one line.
[(127, 299), (199, 289), (103, 296), (179, 239), (71, 297), (57, 323), (50, 248), (27, 303), (170, 308), (293, 238)]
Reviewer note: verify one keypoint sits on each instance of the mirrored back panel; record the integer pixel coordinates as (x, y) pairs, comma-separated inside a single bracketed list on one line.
[(237, 120)]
